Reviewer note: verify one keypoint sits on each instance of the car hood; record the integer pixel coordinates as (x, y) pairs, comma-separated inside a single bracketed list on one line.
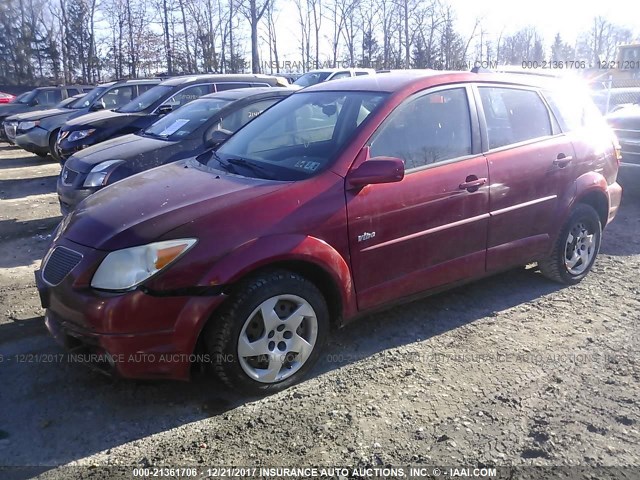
[(40, 114), (118, 148), (9, 109), (94, 119), (142, 208)]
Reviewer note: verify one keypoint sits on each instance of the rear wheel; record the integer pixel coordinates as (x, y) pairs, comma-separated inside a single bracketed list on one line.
[(270, 334), (576, 248)]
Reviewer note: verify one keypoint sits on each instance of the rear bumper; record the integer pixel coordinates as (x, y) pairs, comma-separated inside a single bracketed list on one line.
[(614, 191)]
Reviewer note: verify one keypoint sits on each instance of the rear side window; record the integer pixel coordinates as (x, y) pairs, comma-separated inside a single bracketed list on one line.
[(144, 87), (242, 116), (514, 115), (426, 130), (220, 87), (117, 97), (72, 91), (573, 109)]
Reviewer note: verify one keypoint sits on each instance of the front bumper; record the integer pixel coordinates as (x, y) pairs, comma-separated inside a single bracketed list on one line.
[(614, 191), (72, 193), (35, 140), (131, 334)]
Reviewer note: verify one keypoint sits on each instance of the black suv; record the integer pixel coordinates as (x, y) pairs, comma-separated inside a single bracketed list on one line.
[(38, 99), (37, 132), (79, 133)]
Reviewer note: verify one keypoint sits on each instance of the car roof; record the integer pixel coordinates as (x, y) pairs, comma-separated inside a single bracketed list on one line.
[(399, 80), (238, 93), (228, 77)]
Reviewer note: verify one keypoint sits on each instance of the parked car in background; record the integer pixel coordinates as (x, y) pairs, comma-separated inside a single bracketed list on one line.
[(79, 133), (38, 99), (186, 132), (6, 97), (11, 123), (318, 76), (626, 125), (343, 198), (37, 132), (289, 77), (610, 99)]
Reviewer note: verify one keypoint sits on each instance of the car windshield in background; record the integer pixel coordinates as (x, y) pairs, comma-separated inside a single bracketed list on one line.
[(187, 119), (28, 97), (145, 100), (88, 99), (312, 78), (297, 138)]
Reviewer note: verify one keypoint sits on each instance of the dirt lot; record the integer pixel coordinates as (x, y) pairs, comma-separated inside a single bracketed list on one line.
[(513, 370)]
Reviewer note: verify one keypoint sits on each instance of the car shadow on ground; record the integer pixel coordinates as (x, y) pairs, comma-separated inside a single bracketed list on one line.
[(16, 163), (47, 397), (16, 188)]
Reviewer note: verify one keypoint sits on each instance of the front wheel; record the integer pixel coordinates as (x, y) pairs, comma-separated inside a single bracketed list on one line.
[(270, 334), (52, 145), (576, 248)]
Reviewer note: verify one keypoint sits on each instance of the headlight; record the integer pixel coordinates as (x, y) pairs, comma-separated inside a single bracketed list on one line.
[(80, 134), (99, 173), (127, 268), (24, 126)]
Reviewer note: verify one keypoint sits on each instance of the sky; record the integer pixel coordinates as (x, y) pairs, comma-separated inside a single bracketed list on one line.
[(568, 17)]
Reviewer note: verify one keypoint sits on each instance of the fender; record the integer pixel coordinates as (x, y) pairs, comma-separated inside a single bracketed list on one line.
[(274, 249), (584, 185)]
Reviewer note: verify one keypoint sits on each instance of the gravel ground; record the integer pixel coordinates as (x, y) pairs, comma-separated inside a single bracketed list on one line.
[(511, 370)]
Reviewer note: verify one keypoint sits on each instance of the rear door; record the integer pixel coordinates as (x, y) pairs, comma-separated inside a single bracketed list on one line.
[(530, 169), (430, 229)]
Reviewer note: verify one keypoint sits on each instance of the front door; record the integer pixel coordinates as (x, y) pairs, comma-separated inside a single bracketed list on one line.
[(430, 229)]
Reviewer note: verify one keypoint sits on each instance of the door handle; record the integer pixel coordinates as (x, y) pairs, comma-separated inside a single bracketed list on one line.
[(472, 183), (562, 160)]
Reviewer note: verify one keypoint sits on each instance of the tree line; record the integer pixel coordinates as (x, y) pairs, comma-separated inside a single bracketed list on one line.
[(89, 41)]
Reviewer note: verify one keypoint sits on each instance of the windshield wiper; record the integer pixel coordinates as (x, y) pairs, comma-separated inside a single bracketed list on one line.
[(263, 172)]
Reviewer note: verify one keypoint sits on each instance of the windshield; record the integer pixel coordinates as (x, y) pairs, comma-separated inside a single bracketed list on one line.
[(312, 78), (27, 97), (145, 100), (187, 119), (19, 98), (88, 99), (67, 102), (300, 136)]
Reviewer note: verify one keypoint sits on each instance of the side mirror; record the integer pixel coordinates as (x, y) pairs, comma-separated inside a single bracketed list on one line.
[(376, 170), (34, 102), (96, 106), (216, 138), (164, 109)]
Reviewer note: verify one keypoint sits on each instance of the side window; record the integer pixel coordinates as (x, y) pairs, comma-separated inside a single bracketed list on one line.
[(573, 110), (185, 96), (240, 117), (49, 97), (340, 75), (72, 91), (359, 74), (117, 97), (221, 87), (425, 130), (144, 87), (514, 115)]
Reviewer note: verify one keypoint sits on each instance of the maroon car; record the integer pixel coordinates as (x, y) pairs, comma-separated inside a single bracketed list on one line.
[(345, 197)]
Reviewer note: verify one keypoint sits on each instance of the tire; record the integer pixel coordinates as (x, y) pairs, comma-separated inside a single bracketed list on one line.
[(582, 233), (280, 357), (52, 145)]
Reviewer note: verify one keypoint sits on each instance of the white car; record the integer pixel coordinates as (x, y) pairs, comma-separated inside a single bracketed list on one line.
[(326, 74)]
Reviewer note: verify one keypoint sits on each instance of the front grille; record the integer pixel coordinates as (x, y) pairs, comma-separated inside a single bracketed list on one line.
[(68, 176), (59, 264)]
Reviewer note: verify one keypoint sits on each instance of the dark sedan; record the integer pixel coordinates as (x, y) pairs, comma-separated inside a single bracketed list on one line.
[(626, 125), (181, 134)]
